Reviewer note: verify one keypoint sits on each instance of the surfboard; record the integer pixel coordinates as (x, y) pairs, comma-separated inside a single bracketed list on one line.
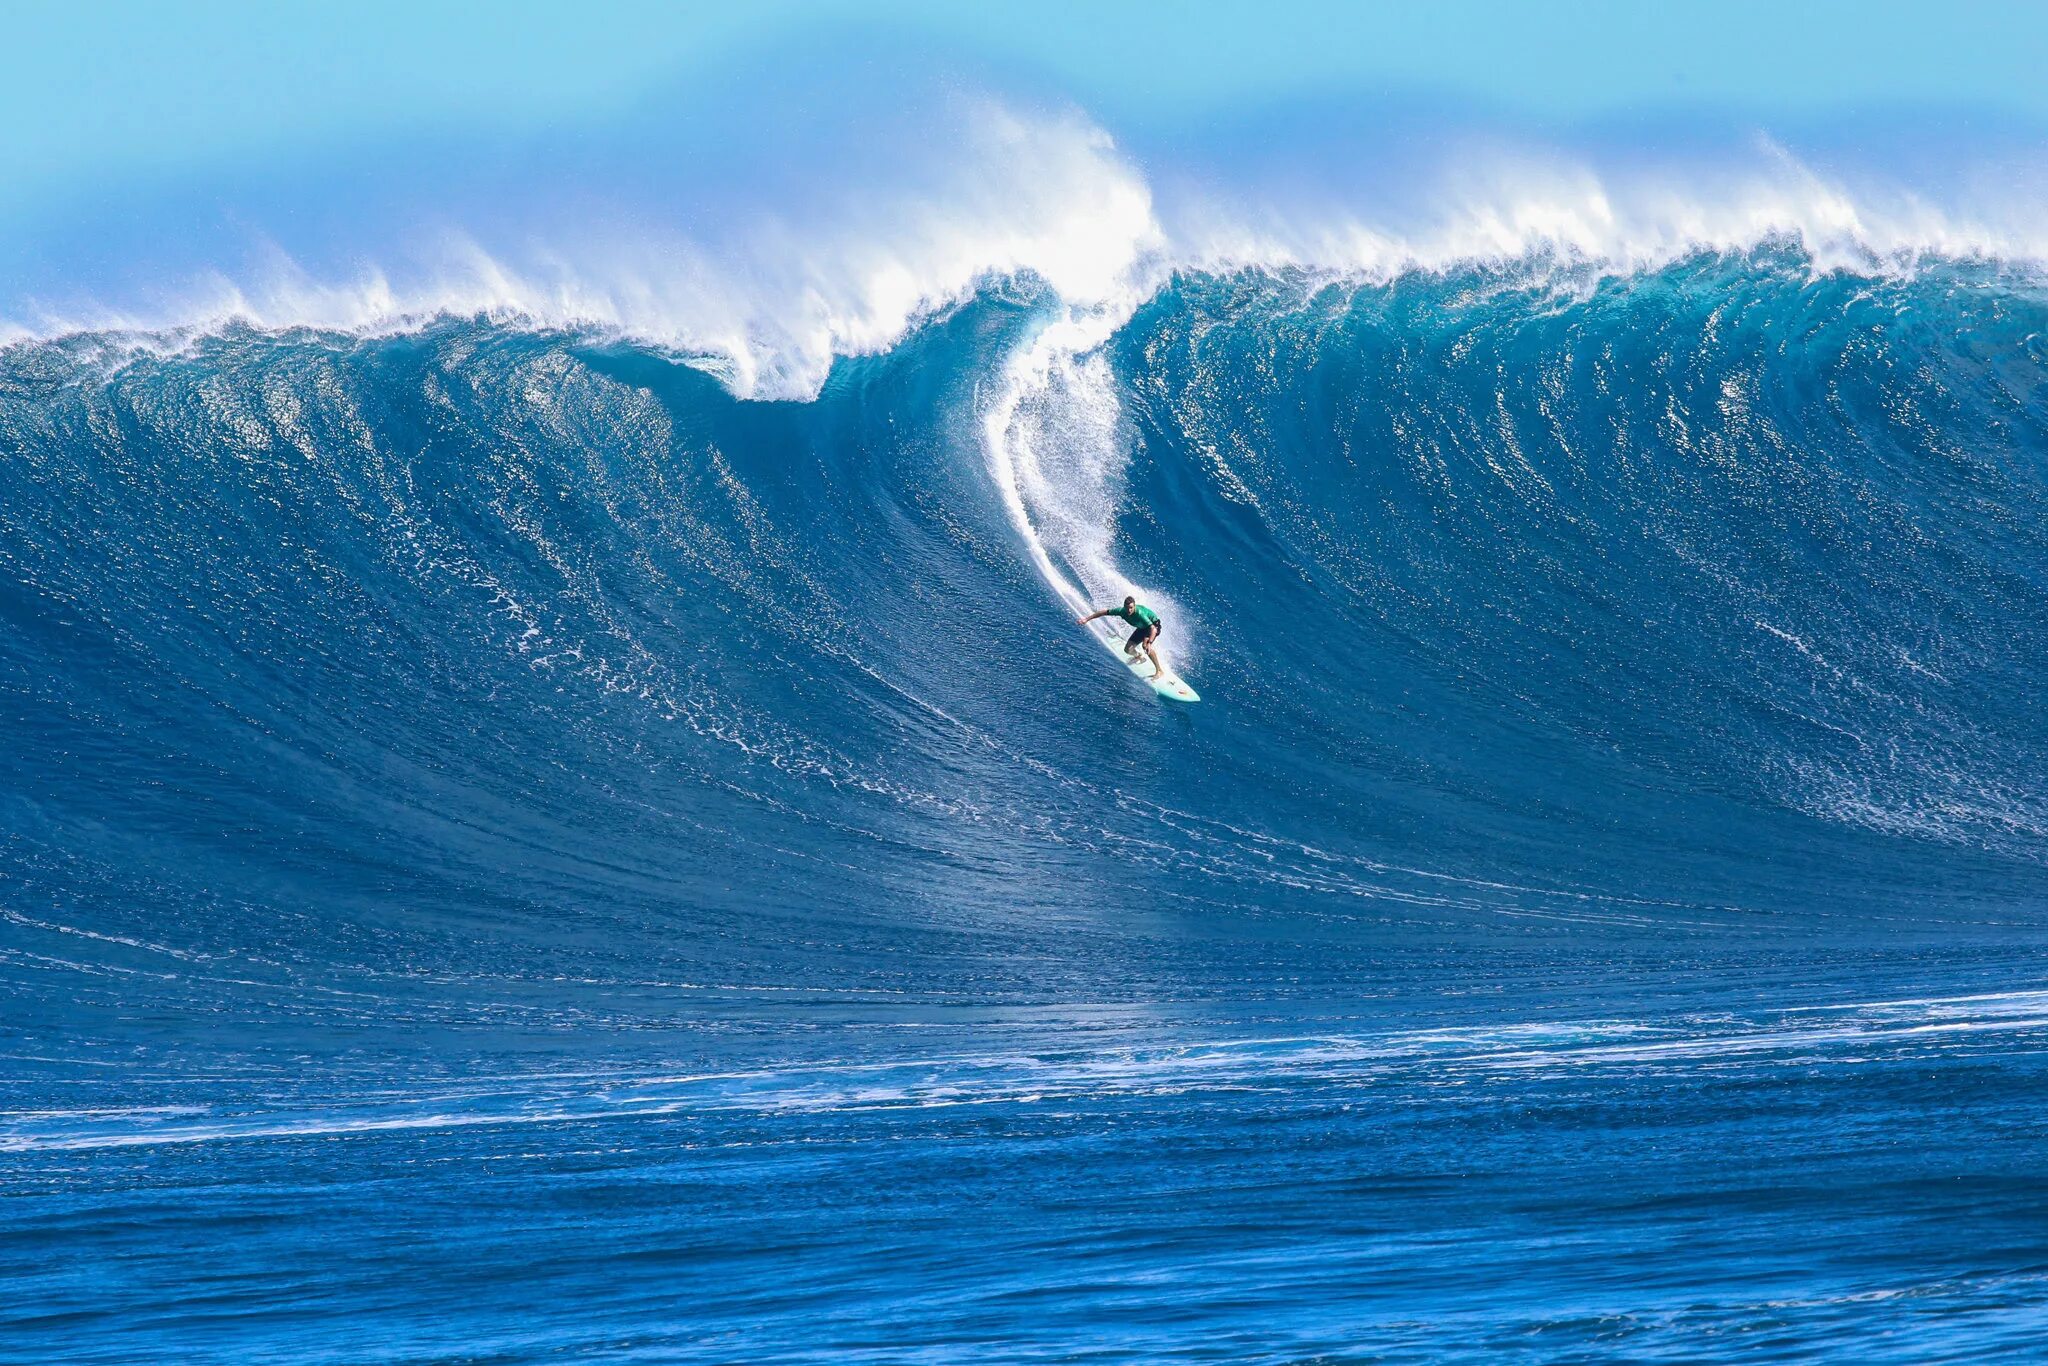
[(1169, 685)]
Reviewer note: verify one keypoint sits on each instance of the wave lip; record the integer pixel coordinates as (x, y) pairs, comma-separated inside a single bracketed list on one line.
[(766, 291)]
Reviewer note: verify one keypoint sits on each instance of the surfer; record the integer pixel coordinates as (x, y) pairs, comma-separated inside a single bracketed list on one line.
[(1145, 626)]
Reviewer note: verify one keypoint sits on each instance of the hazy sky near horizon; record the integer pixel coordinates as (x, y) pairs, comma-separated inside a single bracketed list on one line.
[(108, 91)]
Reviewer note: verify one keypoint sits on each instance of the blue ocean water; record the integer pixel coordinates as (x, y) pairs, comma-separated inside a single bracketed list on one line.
[(511, 851)]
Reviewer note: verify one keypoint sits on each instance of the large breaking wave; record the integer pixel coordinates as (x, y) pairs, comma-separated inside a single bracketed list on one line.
[(565, 705), (1708, 586)]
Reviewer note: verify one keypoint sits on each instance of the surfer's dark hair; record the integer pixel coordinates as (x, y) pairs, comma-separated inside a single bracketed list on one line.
[(1128, 599)]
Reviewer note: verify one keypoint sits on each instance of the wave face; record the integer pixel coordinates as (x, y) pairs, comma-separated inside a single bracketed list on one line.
[(506, 754)]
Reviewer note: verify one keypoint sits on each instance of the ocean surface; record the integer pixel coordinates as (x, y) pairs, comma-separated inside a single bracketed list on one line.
[(523, 841)]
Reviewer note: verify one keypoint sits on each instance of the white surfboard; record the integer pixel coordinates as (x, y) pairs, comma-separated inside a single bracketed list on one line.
[(1168, 684)]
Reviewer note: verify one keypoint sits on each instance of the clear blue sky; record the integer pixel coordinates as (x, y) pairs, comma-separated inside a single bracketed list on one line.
[(98, 91)]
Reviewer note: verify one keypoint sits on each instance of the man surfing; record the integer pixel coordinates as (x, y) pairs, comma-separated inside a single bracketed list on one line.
[(1145, 627)]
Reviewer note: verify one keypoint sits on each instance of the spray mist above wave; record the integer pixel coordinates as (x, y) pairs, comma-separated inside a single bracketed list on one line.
[(790, 215), (764, 294)]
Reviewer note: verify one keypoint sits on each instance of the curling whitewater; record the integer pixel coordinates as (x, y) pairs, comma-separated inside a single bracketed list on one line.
[(510, 849)]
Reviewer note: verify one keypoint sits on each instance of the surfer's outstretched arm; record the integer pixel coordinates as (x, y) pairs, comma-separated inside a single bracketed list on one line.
[(1093, 615)]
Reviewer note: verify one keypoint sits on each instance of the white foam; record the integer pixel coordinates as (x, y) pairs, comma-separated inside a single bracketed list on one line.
[(1337, 1066), (1054, 437)]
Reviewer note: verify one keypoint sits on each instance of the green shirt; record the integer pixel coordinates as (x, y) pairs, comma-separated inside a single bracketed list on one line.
[(1139, 616)]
